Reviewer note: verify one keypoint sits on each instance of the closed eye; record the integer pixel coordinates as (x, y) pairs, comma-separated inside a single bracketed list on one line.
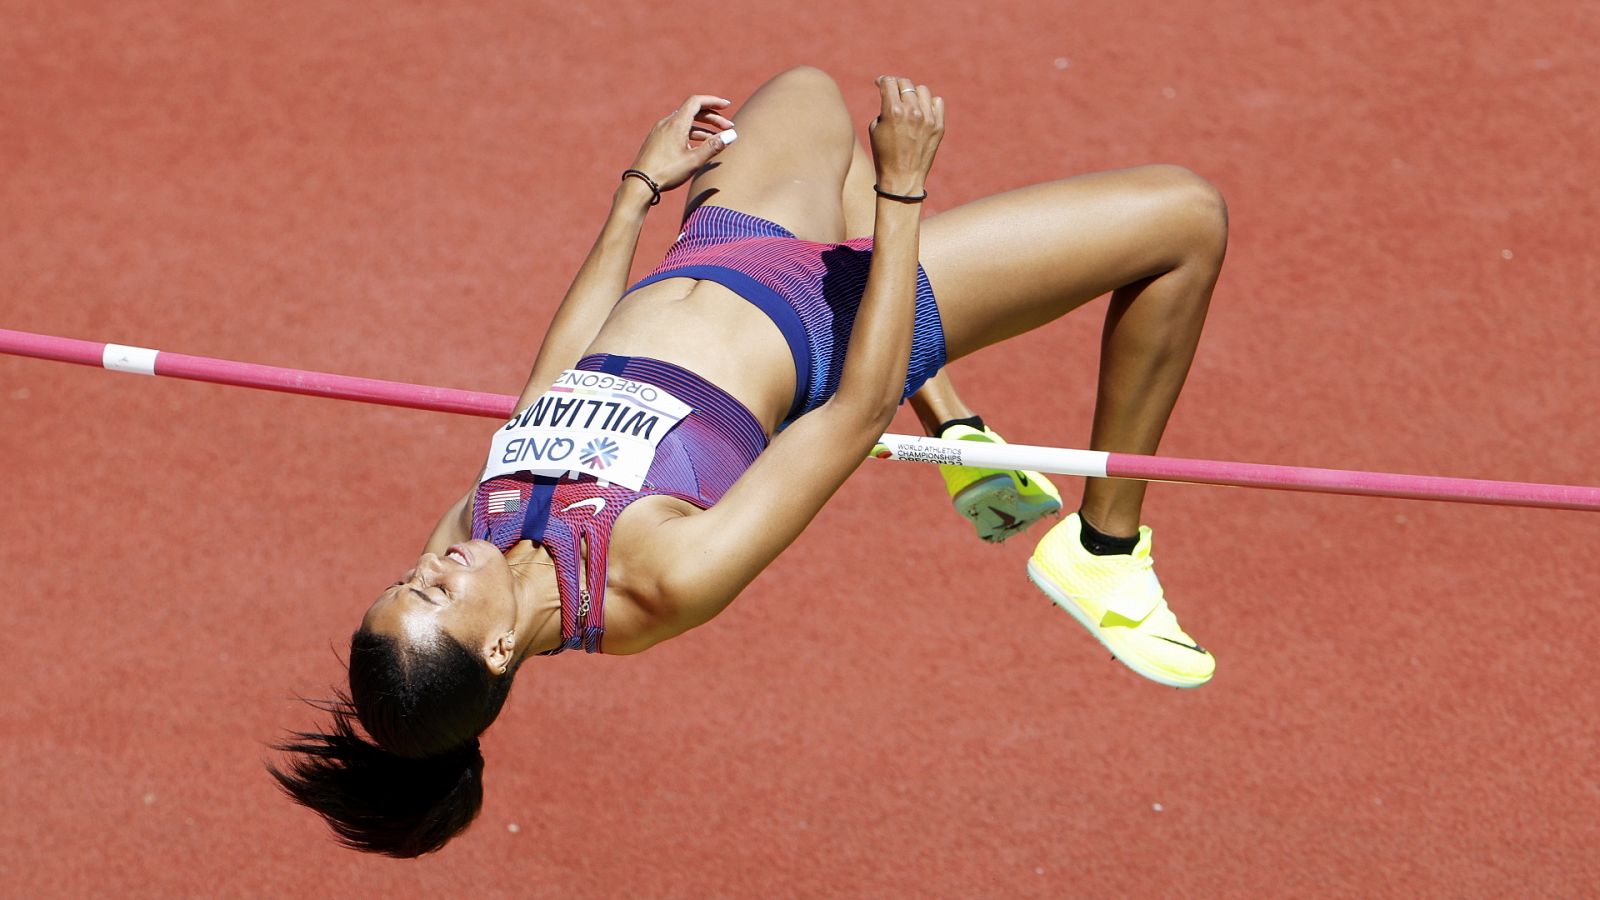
[(426, 597)]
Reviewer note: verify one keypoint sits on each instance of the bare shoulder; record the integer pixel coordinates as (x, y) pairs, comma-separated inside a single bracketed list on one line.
[(646, 545)]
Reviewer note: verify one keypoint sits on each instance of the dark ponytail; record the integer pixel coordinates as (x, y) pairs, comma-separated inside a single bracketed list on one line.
[(418, 781)]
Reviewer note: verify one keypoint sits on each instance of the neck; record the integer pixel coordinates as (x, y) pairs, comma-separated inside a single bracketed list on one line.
[(538, 599)]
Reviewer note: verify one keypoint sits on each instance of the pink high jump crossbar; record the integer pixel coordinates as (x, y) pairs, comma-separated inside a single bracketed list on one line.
[(1088, 463)]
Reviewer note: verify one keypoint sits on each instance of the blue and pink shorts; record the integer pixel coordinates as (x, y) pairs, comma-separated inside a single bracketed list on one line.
[(810, 290)]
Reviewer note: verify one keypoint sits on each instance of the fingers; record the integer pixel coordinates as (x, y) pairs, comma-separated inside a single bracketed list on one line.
[(897, 95), (708, 143), (906, 92), (902, 96), (698, 106), (698, 116), (684, 139), (887, 86), (707, 125), (706, 149), (906, 134), (707, 117), (697, 102), (932, 107)]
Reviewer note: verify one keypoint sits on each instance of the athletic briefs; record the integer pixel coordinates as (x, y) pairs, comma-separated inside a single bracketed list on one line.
[(810, 290)]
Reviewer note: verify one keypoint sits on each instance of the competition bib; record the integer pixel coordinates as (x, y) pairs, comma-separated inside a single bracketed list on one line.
[(603, 425)]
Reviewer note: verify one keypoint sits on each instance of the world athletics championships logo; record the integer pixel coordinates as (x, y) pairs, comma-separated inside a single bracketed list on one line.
[(598, 453)]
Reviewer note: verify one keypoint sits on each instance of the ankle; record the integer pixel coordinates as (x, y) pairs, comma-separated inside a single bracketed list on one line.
[(973, 421), (1099, 543)]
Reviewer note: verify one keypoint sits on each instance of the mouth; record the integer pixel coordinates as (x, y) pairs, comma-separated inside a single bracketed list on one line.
[(459, 555)]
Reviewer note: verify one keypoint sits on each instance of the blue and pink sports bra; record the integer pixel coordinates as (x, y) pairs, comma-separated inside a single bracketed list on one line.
[(698, 460)]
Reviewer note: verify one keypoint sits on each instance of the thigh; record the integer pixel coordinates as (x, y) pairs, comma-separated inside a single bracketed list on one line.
[(790, 161), (1012, 262), (860, 204)]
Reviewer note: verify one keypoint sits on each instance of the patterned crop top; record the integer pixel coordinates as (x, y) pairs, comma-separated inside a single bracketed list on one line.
[(697, 460)]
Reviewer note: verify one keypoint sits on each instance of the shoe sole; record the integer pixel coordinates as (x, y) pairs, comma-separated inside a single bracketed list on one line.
[(1060, 598), (989, 502)]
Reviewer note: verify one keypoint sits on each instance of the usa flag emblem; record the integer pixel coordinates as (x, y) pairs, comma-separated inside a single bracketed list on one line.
[(598, 453), (504, 501)]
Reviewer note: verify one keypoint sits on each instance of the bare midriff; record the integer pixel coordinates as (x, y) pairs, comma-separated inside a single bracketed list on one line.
[(711, 331)]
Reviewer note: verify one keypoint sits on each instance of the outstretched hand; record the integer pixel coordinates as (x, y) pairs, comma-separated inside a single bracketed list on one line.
[(685, 140), (905, 135)]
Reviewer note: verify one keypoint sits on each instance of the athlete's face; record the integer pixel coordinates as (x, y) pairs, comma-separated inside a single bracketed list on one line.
[(466, 594)]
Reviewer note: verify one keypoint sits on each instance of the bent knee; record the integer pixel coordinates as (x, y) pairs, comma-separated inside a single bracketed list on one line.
[(1197, 204), (803, 97), (807, 78)]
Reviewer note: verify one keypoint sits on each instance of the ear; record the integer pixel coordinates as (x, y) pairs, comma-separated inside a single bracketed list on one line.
[(500, 654)]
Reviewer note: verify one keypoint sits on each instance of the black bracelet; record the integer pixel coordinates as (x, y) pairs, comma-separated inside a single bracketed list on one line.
[(900, 198), (655, 189)]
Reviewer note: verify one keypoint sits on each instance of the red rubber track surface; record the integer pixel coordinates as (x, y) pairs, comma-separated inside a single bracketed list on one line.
[(1406, 696)]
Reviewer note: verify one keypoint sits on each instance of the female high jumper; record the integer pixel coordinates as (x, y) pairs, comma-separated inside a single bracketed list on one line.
[(675, 436)]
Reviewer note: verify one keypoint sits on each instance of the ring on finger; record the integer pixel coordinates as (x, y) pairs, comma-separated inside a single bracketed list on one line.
[(908, 90)]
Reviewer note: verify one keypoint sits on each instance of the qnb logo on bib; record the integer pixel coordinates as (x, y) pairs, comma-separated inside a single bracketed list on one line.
[(605, 425), (599, 453)]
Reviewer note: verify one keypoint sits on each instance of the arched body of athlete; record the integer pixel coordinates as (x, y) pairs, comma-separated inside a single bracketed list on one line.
[(527, 565)]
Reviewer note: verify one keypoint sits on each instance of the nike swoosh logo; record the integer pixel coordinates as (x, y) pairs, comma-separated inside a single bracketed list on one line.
[(598, 503), (1195, 647), (1006, 520)]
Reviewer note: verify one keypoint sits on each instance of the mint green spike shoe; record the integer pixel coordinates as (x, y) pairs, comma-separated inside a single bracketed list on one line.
[(998, 503)]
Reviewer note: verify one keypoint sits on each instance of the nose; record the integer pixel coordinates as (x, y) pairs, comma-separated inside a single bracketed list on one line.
[(429, 564)]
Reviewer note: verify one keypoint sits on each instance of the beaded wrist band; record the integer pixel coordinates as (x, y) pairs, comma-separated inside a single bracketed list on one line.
[(655, 189)]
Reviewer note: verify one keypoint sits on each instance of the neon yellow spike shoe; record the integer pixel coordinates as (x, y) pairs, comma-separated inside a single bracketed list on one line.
[(1119, 599), (997, 502)]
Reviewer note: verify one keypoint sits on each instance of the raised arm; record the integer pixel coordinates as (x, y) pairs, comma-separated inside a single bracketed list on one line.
[(706, 559), (676, 147)]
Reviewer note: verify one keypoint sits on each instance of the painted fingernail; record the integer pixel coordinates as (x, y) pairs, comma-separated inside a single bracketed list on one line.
[(728, 137)]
